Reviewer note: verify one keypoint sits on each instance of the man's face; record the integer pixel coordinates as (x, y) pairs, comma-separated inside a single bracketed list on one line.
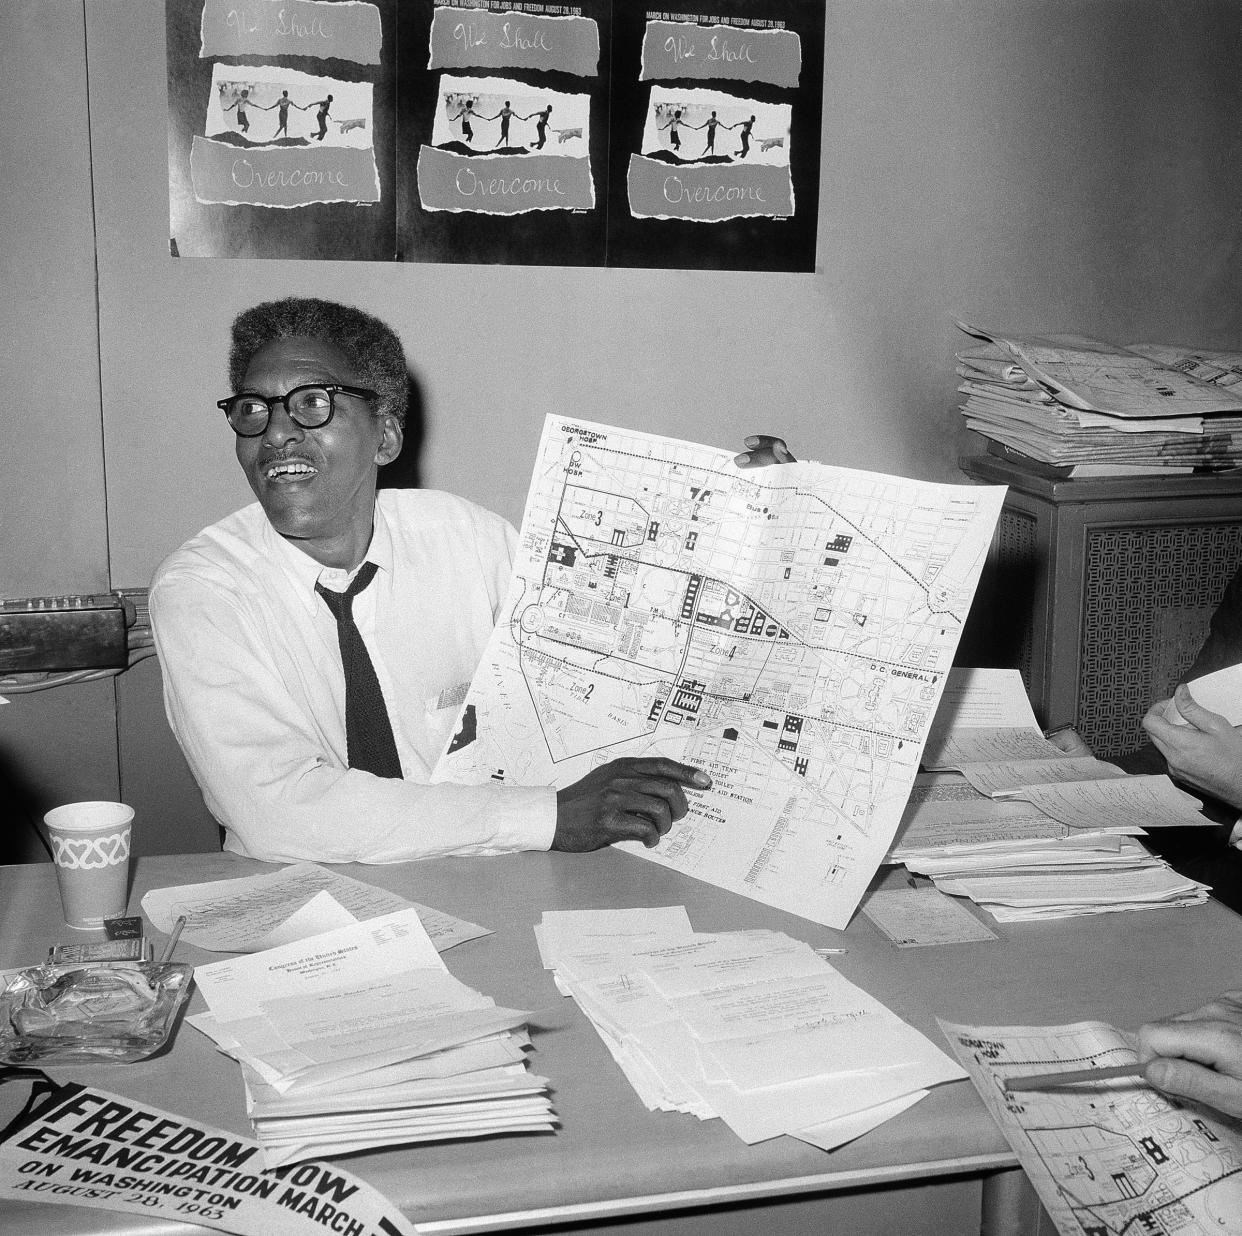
[(317, 486)]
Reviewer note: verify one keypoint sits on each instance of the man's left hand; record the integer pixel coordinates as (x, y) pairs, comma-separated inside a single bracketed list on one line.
[(1205, 753)]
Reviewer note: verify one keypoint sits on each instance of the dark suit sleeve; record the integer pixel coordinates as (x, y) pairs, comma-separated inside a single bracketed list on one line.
[(1223, 646)]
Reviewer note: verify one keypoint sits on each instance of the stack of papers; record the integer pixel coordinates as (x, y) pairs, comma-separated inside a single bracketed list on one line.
[(360, 1037), (752, 1027), (1096, 409), (1025, 830), (1018, 863)]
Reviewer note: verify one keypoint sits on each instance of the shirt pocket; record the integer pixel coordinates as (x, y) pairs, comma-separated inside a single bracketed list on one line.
[(440, 713)]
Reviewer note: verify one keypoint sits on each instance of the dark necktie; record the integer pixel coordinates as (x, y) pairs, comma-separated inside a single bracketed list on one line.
[(368, 732)]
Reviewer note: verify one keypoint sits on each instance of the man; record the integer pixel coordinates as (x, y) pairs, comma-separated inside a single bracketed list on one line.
[(541, 125), (746, 127), (295, 757), (321, 116)]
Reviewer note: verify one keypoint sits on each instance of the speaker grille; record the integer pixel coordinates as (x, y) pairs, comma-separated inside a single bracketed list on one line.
[(1148, 596)]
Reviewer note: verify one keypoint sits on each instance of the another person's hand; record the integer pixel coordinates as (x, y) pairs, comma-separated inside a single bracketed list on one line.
[(1205, 753), (763, 449), (1070, 741), (625, 800), (1198, 1055)]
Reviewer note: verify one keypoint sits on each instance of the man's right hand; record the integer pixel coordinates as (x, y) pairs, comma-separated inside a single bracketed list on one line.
[(625, 800), (1198, 1055)]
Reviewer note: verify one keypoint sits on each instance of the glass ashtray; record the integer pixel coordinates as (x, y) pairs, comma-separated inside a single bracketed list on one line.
[(105, 1014)]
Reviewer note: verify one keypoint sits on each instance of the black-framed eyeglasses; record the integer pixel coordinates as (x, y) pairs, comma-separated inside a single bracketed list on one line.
[(311, 407)]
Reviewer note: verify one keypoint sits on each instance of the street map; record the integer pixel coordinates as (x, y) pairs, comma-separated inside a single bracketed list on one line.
[(1107, 1158), (788, 629)]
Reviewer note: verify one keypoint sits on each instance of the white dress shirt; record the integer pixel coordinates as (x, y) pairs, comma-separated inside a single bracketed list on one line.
[(255, 692)]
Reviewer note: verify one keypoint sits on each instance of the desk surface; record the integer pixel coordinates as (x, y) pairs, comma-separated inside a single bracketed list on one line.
[(611, 1156)]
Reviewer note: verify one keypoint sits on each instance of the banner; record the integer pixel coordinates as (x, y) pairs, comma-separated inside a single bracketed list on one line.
[(77, 1146)]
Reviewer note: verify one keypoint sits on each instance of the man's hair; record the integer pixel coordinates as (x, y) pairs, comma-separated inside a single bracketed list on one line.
[(371, 346)]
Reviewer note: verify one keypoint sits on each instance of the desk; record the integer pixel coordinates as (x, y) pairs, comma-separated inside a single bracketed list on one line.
[(932, 1170)]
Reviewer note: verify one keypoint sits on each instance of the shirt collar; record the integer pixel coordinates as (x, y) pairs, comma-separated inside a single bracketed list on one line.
[(303, 572)]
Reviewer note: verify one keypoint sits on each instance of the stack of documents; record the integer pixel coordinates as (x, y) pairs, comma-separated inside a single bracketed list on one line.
[(360, 1037), (1025, 830), (753, 1027), (1094, 409), (1018, 863)]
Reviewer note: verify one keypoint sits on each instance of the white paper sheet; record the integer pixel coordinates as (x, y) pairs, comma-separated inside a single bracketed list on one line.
[(566, 931), (1219, 692), (1139, 802), (982, 699), (1003, 778), (754, 1027), (252, 913), (829, 1134), (915, 917), (983, 745), (346, 1002)]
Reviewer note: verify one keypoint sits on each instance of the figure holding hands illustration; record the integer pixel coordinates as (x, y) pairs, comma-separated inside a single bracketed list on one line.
[(710, 124), (282, 106), (321, 115), (541, 125), (467, 111), (505, 114), (745, 126), (674, 123), (241, 103)]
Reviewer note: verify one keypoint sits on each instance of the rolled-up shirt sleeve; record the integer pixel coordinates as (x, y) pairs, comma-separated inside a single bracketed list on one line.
[(271, 765)]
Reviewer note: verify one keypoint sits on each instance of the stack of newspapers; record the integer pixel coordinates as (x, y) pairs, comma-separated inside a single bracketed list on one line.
[(360, 1037), (752, 1027), (1080, 407)]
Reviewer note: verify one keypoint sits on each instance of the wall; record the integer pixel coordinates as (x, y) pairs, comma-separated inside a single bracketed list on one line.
[(1065, 165), (53, 526)]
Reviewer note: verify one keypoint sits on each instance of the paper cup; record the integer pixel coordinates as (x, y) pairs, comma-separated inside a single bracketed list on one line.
[(90, 843)]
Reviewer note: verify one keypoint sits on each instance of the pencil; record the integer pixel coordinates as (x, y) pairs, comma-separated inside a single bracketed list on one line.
[(1048, 1081), (172, 941)]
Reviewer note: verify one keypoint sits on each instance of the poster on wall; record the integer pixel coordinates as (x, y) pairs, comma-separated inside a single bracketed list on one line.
[(502, 120), (716, 135), (588, 134), (280, 128)]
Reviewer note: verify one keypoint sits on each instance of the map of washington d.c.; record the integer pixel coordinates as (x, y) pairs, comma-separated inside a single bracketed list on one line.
[(1111, 1157), (788, 629)]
